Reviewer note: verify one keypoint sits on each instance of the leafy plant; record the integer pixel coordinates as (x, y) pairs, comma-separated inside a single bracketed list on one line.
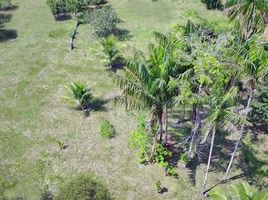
[(240, 191), (107, 129), (5, 4), (184, 158), (108, 49), (61, 144), (104, 21), (82, 187), (80, 94), (140, 141)]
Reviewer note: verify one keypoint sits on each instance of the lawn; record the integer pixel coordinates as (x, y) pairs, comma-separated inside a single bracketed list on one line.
[(34, 70)]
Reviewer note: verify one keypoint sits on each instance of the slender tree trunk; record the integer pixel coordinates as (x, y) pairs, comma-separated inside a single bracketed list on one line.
[(196, 123), (209, 158), (193, 133), (161, 130), (166, 125), (241, 132), (153, 148)]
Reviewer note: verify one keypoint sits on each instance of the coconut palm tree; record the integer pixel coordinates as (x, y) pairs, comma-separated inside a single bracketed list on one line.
[(250, 15), (253, 70), (222, 116), (108, 49), (148, 83), (80, 94)]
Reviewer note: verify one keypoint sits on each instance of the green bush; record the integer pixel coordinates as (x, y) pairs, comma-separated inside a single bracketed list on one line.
[(104, 21), (82, 187), (5, 4), (213, 4), (71, 6), (57, 6), (107, 130)]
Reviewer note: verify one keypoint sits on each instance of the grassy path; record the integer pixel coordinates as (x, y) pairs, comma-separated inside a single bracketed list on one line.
[(35, 67)]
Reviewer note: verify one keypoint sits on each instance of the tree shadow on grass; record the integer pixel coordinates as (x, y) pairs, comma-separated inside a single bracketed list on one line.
[(117, 64), (122, 34), (6, 34), (10, 8), (98, 104), (4, 18)]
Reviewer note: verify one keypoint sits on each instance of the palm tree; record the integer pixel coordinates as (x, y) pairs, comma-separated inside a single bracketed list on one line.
[(221, 115), (80, 94), (108, 49), (241, 191), (147, 83), (254, 69), (250, 15)]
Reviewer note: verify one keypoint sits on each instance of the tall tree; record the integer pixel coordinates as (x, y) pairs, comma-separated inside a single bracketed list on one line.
[(249, 15), (253, 69)]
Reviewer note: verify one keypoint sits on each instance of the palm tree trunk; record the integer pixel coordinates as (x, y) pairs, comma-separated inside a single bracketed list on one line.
[(161, 130), (193, 133), (153, 148), (166, 125), (196, 122), (209, 158), (240, 137)]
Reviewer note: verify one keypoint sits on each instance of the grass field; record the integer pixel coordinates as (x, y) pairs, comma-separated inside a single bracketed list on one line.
[(35, 67)]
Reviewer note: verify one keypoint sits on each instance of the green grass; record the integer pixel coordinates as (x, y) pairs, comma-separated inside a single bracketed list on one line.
[(35, 67)]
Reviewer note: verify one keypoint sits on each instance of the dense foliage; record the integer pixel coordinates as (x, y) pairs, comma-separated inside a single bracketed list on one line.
[(71, 6), (187, 68), (82, 187), (104, 21)]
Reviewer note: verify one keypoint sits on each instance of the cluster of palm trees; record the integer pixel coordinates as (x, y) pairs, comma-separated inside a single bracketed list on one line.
[(191, 70)]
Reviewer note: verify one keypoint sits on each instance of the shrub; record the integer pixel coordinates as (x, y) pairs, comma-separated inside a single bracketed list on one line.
[(107, 130), (82, 187), (213, 4), (57, 6), (80, 94), (140, 141), (104, 21), (5, 4)]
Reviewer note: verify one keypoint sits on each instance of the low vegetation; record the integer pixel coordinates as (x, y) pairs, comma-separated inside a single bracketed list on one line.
[(107, 129), (197, 84), (82, 187), (80, 94)]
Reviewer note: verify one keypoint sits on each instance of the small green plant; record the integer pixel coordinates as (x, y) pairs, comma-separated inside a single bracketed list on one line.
[(107, 129), (161, 155), (158, 186), (184, 158), (108, 49), (61, 144), (82, 187), (80, 94), (172, 171), (140, 141)]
